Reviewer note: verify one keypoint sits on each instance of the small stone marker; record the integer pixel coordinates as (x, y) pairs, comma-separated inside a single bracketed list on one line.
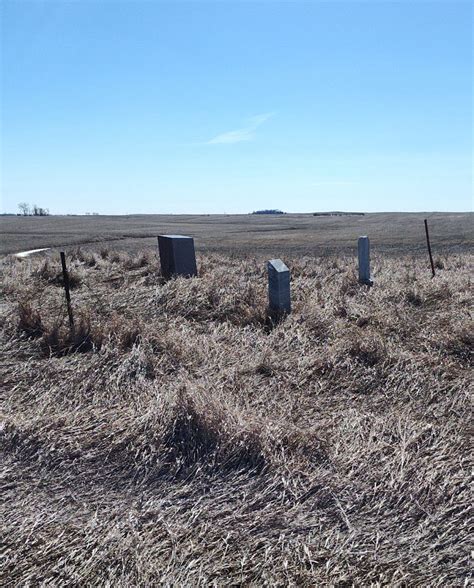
[(177, 255), (364, 261), (278, 287)]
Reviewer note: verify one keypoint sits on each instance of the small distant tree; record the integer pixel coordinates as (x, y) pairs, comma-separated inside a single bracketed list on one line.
[(35, 210), (24, 208)]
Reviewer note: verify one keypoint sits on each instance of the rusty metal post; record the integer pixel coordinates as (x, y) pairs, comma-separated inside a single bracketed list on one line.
[(429, 248), (66, 289)]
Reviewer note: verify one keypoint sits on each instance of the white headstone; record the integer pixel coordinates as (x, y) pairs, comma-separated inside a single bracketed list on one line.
[(279, 287)]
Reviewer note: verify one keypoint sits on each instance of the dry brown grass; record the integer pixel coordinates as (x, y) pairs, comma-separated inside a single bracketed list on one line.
[(178, 437)]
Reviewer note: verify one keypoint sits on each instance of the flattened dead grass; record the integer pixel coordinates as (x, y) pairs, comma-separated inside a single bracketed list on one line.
[(177, 437)]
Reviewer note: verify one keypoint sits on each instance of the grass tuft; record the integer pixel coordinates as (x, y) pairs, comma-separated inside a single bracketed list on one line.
[(29, 321), (60, 340)]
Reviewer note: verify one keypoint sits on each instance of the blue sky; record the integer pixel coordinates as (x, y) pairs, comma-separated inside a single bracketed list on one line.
[(201, 107)]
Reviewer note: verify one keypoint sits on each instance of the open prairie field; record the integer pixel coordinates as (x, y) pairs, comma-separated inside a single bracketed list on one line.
[(177, 437), (269, 234)]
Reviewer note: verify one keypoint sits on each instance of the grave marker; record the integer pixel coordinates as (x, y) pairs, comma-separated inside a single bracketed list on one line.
[(278, 287), (364, 261), (177, 255)]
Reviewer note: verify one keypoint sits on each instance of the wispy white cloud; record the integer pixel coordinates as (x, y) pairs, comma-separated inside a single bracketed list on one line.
[(237, 136), (246, 133)]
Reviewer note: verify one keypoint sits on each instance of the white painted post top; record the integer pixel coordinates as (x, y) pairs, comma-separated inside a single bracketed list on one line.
[(278, 265)]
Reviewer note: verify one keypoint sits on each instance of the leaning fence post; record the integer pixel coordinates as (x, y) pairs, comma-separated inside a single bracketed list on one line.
[(364, 261), (429, 248), (66, 289), (278, 288)]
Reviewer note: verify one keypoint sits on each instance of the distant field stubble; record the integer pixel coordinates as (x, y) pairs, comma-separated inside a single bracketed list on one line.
[(176, 438), (275, 235)]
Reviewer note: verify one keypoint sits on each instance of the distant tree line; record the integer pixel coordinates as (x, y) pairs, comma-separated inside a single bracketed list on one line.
[(34, 210), (268, 211)]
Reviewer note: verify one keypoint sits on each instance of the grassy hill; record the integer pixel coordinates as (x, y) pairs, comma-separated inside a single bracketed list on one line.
[(178, 437)]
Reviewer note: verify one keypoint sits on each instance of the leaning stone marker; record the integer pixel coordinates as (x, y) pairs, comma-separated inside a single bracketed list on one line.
[(177, 255), (364, 261), (278, 287)]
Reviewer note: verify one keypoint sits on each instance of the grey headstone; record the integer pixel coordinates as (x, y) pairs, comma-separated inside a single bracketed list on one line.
[(177, 255), (364, 261), (278, 287)]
